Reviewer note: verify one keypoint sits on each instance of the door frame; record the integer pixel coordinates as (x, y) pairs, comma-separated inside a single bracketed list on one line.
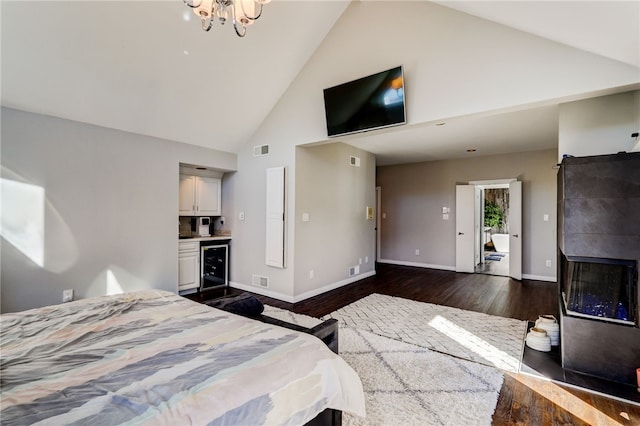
[(515, 269), (378, 221)]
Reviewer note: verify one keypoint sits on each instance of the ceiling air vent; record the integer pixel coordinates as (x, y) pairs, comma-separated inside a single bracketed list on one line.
[(260, 150), (354, 161), (260, 281)]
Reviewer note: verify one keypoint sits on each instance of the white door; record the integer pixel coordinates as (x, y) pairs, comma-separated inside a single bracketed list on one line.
[(378, 223), (208, 196), (515, 230), (477, 227), (465, 221), (275, 255)]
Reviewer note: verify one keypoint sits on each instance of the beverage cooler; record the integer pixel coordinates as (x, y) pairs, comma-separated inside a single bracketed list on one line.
[(214, 264)]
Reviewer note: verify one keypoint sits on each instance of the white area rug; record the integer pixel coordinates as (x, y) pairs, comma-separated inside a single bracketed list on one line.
[(406, 384), (474, 336)]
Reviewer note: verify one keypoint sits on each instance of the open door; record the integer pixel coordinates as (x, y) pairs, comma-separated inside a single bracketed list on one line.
[(465, 223), (515, 230)]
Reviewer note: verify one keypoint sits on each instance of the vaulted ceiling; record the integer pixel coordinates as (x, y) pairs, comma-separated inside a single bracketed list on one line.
[(147, 67)]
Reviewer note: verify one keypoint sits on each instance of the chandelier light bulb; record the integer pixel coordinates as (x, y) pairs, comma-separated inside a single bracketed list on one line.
[(241, 12), (223, 14), (193, 3)]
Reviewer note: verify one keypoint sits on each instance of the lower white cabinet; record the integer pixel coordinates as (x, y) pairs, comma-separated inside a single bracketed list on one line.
[(188, 265)]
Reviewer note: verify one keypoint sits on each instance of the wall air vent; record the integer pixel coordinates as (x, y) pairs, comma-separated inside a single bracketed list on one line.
[(260, 150), (354, 161), (260, 281)]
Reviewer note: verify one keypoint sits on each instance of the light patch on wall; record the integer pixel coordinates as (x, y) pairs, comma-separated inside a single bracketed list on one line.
[(115, 280), (59, 247), (112, 284), (22, 218)]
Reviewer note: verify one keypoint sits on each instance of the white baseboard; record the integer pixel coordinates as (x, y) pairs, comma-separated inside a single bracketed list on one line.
[(333, 286), (552, 279), (452, 268), (419, 265), (303, 296), (261, 291)]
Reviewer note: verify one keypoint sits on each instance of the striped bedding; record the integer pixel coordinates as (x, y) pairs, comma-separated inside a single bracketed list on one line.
[(156, 358)]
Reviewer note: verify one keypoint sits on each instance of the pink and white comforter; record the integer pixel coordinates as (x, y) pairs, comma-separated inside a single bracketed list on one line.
[(156, 358)]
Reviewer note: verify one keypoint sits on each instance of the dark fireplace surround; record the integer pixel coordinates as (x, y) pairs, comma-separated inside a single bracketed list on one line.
[(598, 257)]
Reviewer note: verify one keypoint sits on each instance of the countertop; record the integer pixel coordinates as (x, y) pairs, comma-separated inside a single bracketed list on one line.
[(211, 238)]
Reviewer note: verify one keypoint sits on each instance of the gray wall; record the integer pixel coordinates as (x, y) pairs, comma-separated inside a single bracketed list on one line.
[(338, 235), (413, 196), (597, 126), (111, 208), (442, 85), (247, 191)]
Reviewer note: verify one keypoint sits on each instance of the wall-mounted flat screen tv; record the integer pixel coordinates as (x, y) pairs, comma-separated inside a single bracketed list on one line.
[(368, 103)]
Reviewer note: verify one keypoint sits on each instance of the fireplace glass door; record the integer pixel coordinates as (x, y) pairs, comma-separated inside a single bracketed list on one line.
[(602, 288)]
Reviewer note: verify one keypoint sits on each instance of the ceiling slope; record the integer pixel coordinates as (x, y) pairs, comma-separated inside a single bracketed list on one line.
[(497, 88), (139, 66)]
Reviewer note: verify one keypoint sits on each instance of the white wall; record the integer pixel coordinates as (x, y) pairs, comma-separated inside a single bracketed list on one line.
[(413, 196), (337, 235), (455, 64), (248, 187), (598, 126), (111, 208)]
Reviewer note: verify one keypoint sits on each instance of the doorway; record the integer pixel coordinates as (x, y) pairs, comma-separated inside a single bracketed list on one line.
[(494, 248), (493, 238)]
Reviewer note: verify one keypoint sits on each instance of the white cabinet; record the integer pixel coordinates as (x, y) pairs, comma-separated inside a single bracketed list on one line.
[(188, 265), (200, 196)]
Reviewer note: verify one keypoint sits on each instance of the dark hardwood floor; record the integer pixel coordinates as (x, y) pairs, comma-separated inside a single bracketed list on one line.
[(523, 400)]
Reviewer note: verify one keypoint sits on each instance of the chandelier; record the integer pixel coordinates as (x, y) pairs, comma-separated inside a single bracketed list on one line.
[(241, 12)]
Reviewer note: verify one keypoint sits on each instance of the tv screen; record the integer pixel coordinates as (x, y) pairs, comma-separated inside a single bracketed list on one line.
[(368, 103)]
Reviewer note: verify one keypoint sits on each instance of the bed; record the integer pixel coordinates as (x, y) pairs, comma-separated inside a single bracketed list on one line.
[(153, 357)]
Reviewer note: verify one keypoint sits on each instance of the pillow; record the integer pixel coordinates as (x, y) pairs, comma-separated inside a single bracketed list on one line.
[(245, 304)]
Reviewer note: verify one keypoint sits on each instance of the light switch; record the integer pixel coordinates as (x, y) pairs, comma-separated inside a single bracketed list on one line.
[(305, 217), (546, 218), (384, 215), (369, 213)]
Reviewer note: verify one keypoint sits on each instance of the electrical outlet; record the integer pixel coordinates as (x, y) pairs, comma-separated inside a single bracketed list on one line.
[(366, 259), (417, 252), (67, 295), (311, 274), (241, 215), (548, 263)]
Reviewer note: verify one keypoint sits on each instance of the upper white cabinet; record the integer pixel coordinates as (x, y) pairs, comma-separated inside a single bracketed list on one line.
[(200, 196)]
